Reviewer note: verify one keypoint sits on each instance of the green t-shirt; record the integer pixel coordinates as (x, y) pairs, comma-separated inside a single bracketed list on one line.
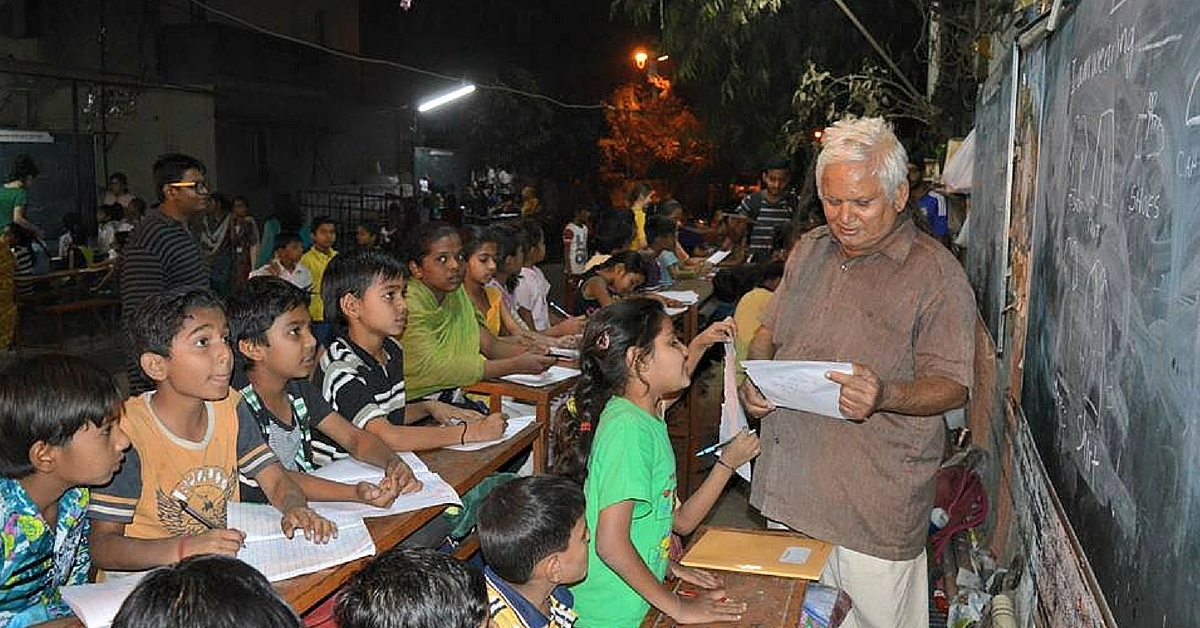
[(631, 459), (10, 198)]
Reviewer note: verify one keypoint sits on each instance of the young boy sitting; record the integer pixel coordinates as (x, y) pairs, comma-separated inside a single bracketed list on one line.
[(277, 352), (662, 234), (58, 433), (534, 538), (413, 588), (362, 373), (285, 262), (189, 444)]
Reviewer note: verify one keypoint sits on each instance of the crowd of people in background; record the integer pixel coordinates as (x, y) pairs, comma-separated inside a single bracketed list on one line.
[(256, 355)]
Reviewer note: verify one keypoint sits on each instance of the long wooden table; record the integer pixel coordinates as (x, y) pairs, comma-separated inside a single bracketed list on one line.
[(461, 469), (541, 396), (691, 431), (771, 601)]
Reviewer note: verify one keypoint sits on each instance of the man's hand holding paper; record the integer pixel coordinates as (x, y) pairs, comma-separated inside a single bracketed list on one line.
[(797, 384), (862, 392)]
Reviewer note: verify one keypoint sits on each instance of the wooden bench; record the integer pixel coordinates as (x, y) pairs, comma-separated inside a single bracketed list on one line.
[(59, 310)]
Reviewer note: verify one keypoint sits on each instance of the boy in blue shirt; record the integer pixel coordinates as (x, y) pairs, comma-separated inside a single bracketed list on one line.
[(58, 434), (534, 539)]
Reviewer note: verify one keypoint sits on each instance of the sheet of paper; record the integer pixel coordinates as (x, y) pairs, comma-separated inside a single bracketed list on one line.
[(434, 492), (718, 257), (552, 375), (733, 419), (515, 425), (687, 297), (97, 604), (282, 558), (260, 522), (347, 470), (675, 311), (799, 384), (564, 352)]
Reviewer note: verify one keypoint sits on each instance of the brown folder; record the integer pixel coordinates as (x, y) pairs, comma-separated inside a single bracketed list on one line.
[(759, 551)]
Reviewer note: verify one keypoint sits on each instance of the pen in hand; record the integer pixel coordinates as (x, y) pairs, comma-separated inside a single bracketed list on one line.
[(195, 514), (558, 309), (715, 446)]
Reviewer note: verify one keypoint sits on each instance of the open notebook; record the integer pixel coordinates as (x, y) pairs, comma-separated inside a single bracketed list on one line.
[(753, 551)]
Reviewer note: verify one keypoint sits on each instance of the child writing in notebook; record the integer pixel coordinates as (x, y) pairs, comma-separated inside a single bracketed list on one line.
[(58, 435), (277, 352), (170, 499), (616, 442), (532, 294), (615, 277)]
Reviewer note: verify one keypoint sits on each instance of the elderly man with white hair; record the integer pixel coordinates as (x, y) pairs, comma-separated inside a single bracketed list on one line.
[(872, 289)]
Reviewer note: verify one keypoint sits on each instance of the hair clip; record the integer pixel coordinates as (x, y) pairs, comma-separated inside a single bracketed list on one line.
[(571, 409), (602, 342), (585, 427)]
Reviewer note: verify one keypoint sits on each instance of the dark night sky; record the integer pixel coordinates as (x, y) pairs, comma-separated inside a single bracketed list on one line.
[(575, 51)]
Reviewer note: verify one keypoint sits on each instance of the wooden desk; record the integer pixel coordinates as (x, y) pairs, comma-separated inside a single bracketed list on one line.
[(541, 396), (461, 469), (689, 431), (771, 601)]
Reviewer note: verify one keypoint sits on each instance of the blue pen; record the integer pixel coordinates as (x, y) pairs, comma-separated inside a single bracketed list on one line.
[(715, 446)]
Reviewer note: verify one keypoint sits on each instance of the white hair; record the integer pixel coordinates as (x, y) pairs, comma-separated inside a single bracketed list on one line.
[(865, 140)]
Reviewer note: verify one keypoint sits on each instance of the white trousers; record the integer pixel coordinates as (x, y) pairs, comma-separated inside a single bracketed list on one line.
[(886, 593)]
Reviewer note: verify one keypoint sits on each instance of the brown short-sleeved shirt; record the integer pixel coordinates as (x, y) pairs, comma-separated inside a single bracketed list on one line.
[(906, 311)]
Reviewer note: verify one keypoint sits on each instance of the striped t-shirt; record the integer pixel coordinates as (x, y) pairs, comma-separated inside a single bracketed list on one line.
[(360, 388), (160, 254), (767, 215)]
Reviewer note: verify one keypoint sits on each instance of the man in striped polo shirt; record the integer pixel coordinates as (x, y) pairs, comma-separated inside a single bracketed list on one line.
[(161, 253), (772, 206)]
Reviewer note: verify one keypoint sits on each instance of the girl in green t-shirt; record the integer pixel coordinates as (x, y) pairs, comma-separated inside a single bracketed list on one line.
[(617, 444)]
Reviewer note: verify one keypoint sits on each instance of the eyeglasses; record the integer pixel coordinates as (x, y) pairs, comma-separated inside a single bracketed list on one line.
[(199, 187)]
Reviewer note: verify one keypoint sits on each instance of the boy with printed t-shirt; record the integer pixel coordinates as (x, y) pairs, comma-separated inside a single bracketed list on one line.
[(58, 434), (277, 351), (170, 498), (534, 539)]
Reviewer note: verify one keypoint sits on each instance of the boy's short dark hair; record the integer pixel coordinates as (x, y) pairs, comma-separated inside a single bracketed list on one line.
[(507, 239), (614, 231), (353, 273), (49, 398), (532, 234), (119, 177), (159, 317), (322, 220), (523, 521), (778, 163), (659, 227), (284, 239), (414, 588), (169, 168), (254, 308), (205, 591)]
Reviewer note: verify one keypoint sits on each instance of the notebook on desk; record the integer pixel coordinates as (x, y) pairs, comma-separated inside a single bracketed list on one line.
[(755, 551)]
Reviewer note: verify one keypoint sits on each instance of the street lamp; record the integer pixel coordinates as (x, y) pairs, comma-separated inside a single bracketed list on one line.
[(639, 59), (438, 101)]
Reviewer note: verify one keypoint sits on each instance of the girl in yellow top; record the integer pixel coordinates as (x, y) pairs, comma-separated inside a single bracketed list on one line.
[(639, 200)]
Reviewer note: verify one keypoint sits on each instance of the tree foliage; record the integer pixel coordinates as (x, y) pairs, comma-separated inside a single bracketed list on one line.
[(762, 70), (651, 133)]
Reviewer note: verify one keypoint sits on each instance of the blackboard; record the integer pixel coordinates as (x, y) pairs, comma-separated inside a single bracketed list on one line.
[(66, 180), (988, 232), (1111, 385)]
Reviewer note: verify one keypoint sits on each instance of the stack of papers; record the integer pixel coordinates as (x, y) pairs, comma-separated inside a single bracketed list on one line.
[(686, 297), (434, 490), (717, 258), (799, 384), (552, 375), (515, 425), (733, 418), (279, 558), (96, 605)]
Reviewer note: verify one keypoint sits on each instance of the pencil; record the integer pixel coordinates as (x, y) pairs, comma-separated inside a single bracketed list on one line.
[(558, 309), (715, 446), (195, 514)]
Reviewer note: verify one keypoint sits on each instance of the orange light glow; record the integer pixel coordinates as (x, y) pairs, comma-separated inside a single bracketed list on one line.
[(639, 59)]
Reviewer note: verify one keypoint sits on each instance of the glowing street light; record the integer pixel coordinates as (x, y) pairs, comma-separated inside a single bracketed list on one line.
[(639, 59), (438, 101)]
